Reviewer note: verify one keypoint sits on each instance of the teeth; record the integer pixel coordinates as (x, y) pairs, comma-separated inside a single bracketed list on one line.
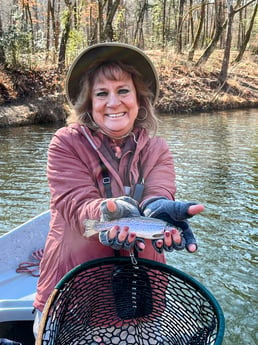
[(115, 115)]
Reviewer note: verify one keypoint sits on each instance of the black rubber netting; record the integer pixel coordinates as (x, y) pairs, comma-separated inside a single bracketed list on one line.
[(112, 301)]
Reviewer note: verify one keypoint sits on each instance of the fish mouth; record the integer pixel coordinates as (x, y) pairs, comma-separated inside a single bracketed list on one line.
[(114, 116)]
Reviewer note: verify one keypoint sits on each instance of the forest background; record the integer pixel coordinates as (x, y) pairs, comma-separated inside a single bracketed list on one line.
[(205, 51)]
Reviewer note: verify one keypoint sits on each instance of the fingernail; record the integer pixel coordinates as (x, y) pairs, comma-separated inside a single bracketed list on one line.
[(139, 249), (191, 247), (132, 236), (159, 243)]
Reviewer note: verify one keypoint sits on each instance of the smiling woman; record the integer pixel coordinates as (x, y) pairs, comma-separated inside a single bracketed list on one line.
[(108, 164)]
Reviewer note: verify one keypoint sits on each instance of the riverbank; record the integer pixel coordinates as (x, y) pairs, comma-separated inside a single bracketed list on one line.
[(36, 96)]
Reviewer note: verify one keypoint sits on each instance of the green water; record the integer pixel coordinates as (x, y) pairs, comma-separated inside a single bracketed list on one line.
[(216, 159)]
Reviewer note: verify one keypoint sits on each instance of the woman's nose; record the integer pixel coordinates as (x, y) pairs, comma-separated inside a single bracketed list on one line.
[(113, 100)]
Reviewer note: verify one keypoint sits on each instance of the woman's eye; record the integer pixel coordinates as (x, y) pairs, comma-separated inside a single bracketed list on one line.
[(101, 94), (123, 91)]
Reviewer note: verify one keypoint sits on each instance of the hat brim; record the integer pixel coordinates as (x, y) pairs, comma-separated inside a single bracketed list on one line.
[(102, 52)]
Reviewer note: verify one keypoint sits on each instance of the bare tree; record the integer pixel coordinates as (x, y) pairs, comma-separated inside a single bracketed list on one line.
[(198, 32), (178, 47), (2, 52), (112, 7), (65, 33), (220, 25), (138, 38), (26, 7), (49, 10), (247, 35), (225, 62), (164, 24), (105, 28), (101, 5)]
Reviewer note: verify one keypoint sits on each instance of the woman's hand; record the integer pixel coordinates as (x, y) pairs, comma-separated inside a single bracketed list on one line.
[(125, 238), (120, 238), (172, 240), (121, 207), (175, 213)]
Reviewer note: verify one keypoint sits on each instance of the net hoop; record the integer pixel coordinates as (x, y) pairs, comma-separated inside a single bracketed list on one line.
[(175, 280)]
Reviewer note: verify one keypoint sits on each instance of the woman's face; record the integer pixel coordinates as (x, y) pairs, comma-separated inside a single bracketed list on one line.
[(114, 104)]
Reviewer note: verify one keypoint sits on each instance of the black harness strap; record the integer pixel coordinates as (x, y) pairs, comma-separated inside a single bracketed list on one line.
[(107, 185), (106, 180)]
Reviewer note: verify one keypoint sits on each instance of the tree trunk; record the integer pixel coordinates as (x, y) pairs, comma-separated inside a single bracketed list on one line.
[(191, 23), (100, 21), (178, 47), (65, 35), (93, 29), (29, 23), (198, 32), (48, 29), (111, 11), (55, 24), (247, 35), (164, 24), (219, 27), (225, 62), (138, 29), (2, 52)]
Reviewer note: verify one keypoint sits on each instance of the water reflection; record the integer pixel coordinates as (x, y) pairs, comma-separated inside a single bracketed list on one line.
[(216, 160), (216, 163), (24, 190)]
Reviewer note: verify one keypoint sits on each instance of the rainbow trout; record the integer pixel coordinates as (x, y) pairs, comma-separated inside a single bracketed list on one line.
[(144, 227)]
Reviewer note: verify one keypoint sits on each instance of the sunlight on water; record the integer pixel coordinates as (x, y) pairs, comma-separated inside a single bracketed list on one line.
[(216, 164)]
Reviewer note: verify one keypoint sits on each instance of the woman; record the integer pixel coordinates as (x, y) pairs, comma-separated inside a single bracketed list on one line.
[(104, 165)]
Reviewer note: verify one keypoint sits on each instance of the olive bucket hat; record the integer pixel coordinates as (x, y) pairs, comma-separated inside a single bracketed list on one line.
[(110, 51)]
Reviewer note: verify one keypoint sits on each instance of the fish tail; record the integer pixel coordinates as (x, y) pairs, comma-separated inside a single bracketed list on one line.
[(90, 227)]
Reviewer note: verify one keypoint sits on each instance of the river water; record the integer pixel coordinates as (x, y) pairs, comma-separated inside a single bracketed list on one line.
[(216, 159)]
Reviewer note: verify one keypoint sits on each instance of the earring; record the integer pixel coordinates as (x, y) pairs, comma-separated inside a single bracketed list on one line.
[(142, 110)]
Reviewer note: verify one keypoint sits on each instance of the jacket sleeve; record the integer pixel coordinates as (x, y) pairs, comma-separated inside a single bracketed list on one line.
[(71, 176), (158, 170)]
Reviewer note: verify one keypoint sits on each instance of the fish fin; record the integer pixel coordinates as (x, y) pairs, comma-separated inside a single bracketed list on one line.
[(90, 225)]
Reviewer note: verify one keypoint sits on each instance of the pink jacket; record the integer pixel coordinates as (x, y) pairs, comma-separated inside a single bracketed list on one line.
[(76, 186)]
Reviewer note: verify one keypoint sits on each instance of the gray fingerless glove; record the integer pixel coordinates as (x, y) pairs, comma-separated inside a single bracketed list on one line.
[(116, 244), (180, 246), (172, 212), (125, 207)]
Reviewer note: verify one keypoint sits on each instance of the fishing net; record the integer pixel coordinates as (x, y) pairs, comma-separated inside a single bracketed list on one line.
[(113, 301)]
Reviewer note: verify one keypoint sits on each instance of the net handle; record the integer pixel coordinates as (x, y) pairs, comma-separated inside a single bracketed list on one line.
[(44, 316)]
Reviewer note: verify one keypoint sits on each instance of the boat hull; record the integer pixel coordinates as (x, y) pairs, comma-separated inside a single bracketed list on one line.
[(17, 290)]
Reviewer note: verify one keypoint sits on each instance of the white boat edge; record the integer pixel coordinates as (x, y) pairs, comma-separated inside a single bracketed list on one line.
[(17, 290)]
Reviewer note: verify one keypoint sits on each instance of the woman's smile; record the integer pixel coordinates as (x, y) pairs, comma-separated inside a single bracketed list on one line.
[(115, 115), (114, 104)]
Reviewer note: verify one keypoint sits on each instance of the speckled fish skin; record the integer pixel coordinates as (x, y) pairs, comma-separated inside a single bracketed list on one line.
[(144, 227)]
